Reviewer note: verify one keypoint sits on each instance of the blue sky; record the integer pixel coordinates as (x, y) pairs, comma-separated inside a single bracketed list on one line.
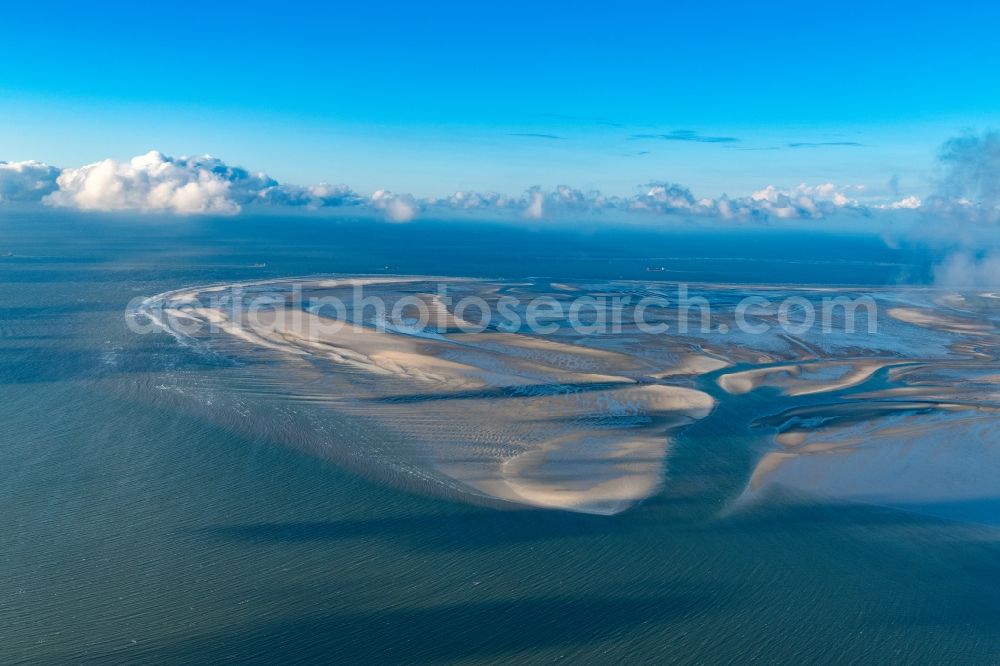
[(436, 97)]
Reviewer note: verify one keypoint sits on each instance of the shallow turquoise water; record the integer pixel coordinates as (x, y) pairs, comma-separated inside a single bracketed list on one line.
[(148, 517)]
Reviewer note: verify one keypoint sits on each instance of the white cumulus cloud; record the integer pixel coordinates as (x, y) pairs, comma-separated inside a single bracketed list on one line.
[(26, 181), (972, 173), (961, 217), (906, 203), (155, 182), (396, 207), (152, 182), (536, 205)]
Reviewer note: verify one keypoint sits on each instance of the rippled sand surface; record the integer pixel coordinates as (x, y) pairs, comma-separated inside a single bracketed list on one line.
[(573, 420)]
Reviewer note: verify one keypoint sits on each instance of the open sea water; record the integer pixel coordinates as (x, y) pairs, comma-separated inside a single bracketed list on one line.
[(148, 515)]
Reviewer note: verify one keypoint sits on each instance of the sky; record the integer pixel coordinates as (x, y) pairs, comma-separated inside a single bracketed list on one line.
[(432, 98)]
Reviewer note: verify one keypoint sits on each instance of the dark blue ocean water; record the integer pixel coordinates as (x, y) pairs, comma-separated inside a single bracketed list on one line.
[(149, 516)]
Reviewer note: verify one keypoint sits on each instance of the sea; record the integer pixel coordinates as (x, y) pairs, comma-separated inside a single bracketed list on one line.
[(148, 515)]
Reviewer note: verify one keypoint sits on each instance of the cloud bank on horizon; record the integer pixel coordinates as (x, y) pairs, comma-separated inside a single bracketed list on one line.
[(968, 190), (205, 185)]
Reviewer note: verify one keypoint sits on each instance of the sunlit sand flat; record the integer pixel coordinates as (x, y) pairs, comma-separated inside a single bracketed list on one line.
[(576, 420)]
